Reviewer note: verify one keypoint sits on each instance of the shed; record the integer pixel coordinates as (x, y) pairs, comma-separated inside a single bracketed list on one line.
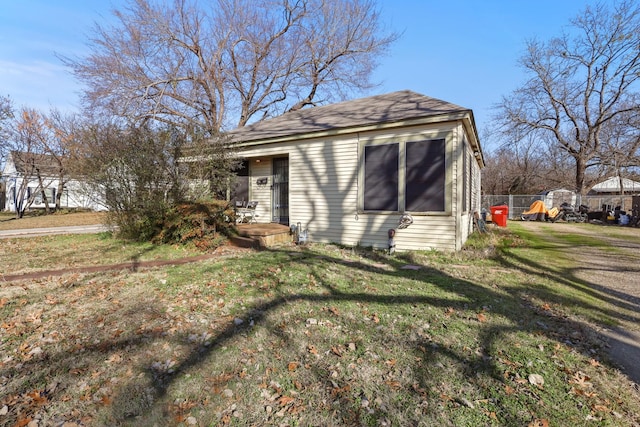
[(554, 198), (350, 172)]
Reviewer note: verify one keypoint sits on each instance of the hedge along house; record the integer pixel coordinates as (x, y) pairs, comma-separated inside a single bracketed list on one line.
[(350, 172)]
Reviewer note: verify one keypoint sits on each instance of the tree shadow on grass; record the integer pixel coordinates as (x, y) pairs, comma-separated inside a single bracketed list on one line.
[(585, 289), (437, 358), (465, 296)]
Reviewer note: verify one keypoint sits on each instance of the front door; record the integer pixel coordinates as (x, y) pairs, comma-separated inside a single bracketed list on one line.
[(280, 191)]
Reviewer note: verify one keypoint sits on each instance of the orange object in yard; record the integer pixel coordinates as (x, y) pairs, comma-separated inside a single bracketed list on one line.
[(537, 212), (499, 215)]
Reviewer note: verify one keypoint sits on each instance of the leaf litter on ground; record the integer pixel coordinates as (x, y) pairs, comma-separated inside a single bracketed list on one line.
[(326, 338)]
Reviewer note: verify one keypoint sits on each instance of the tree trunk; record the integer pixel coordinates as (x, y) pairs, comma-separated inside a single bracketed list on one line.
[(59, 191), (580, 171)]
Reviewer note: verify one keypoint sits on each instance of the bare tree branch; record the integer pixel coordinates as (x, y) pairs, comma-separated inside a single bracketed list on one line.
[(582, 84), (229, 62)]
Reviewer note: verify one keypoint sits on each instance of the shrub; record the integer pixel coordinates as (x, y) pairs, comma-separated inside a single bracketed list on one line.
[(205, 224)]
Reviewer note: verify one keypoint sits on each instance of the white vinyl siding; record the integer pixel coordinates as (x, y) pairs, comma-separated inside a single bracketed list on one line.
[(258, 192), (325, 190)]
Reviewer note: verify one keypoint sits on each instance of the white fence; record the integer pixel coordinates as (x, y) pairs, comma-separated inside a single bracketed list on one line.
[(520, 203)]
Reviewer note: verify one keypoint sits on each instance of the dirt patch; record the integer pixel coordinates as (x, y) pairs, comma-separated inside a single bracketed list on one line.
[(613, 270)]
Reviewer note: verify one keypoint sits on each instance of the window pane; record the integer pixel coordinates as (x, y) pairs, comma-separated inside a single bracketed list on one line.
[(381, 177), (425, 180)]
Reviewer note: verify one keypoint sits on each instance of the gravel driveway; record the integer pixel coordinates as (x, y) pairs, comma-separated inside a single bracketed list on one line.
[(614, 271)]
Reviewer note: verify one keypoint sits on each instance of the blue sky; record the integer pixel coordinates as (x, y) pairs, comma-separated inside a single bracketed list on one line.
[(461, 51)]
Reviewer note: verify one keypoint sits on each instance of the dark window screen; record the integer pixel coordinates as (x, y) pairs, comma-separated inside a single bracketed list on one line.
[(425, 176), (381, 177), (240, 188)]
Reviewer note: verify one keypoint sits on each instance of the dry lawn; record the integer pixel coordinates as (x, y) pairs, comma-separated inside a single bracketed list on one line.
[(9, 221), (316, 336)]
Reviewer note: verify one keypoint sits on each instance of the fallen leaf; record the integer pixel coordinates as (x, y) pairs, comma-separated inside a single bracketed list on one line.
[(393, 384), (580, 379), (581, 392), (293, 366), (23, 422), (38, 397), (600, 408), (482, 318), (536, 379), (312, 349), (538, 423), (285, 400), (114, 358), (337, 351), (340, 390)]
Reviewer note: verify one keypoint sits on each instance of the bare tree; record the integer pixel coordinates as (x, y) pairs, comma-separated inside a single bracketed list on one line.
[(40, 145), (524, 167), (231, 61), (582, 84), (620, 155), (6, 114), (25, 147), (61, 139), (145, 171)]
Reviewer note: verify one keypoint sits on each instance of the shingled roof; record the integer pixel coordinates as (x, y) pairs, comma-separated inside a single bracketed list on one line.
[(395, 107), (26, 163)]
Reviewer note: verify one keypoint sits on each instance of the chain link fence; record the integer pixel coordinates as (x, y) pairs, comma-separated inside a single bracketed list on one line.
[(517, 204)]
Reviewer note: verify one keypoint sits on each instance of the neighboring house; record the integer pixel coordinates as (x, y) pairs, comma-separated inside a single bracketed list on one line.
[(348, 173), (612, 186), (23, 186)]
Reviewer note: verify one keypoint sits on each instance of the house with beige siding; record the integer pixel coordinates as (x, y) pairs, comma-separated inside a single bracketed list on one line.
[(351, 172)]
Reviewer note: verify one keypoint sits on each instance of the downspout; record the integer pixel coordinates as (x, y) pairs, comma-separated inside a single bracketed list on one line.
[(359, 160)]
